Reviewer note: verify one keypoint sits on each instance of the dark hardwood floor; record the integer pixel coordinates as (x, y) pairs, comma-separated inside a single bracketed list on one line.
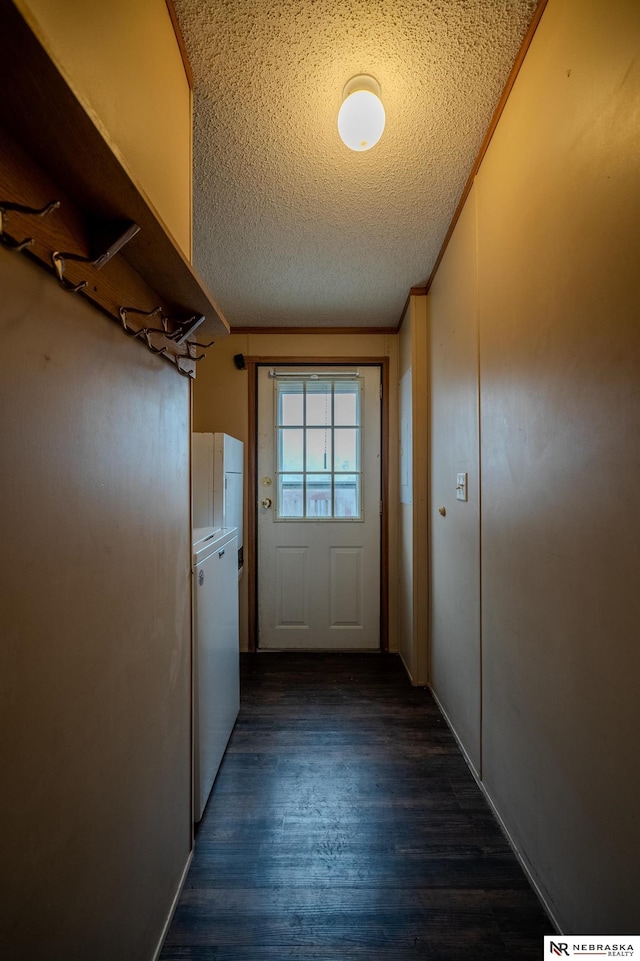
[(344, 824)]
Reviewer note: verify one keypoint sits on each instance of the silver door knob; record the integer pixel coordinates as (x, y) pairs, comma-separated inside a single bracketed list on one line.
[(266, 503)]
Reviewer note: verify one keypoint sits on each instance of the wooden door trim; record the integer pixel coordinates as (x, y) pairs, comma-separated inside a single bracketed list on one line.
[(251, 537), (251, 545)]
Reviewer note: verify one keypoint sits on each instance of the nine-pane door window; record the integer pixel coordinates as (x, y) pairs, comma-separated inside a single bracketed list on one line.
[(318, 428)]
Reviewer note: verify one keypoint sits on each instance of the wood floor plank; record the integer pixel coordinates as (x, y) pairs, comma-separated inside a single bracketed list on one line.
[(344, 824)]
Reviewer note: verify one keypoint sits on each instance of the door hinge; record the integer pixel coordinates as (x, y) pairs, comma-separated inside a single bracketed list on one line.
[(380, 392), (380, 508)]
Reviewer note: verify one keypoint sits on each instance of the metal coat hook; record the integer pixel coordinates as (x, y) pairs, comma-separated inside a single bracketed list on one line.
[(185, 373), (185, 328), (179, 327), (154, 350), (15, 245), (104, 258), (190, 345), (124, 238), (19, 245), (58, 260), (124, 311)]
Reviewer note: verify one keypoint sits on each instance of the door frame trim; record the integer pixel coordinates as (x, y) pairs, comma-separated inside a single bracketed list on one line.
[(251, 539)]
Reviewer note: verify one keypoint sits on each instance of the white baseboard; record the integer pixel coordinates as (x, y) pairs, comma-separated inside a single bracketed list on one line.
[(503, 827), (172, 909), (463, 750), (404, 664)]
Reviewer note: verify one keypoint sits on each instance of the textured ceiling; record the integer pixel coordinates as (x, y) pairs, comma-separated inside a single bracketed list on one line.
[(290, 227)]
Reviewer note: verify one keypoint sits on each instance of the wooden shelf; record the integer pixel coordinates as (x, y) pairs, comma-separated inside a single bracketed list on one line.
[(53, 148)]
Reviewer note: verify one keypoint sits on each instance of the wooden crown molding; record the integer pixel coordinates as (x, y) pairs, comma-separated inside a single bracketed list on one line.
[(181, 44), (515, 70), (313, 330)]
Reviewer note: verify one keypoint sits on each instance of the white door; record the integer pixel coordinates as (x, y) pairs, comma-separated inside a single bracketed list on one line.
[(319, 490)]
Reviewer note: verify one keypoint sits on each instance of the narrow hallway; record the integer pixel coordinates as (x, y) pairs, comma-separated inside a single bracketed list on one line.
[(344, 824)]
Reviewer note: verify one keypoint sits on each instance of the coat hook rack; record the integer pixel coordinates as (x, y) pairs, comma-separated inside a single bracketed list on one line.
[(177, 348), (98, 241), (91, 244), (176, 338), (5, 207)]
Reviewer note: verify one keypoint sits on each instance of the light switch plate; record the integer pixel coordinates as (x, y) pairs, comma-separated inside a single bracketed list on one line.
[(461, 486)]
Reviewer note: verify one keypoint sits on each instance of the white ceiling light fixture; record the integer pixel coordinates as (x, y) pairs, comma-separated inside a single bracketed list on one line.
[(361, 118)]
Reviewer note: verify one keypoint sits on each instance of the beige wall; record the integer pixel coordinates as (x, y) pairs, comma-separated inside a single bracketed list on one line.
[(221, 404), (413, 402), (122, 60), (455, 537), (95, 627), (557, 247), (405, 506)]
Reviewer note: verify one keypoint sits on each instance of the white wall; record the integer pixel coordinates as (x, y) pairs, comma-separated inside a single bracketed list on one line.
[(553, 230), (95, 624)]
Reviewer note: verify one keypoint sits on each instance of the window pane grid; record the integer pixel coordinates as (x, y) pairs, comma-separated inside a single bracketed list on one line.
[(318, 449)]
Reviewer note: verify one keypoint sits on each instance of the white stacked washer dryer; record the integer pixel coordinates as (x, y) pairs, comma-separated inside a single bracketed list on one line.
[(218, 462), (216, 689), (216, 683)]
